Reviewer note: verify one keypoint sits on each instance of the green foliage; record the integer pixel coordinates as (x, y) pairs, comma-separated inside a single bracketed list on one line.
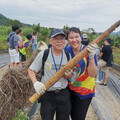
[(65, 28), (26, 30), (116, 55), (3, 19), (8, 22), (20, 115), (3, 37), (5, 30), (36, 27), (90, 31), (30, 51), (115, 41), (92, 35), (44, 34), (12, 22)]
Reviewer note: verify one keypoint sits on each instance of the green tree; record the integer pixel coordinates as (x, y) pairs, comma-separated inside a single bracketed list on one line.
[(12, 22), (65, 28), (44, 34), (117, 41), (91, 33), (36, 27)]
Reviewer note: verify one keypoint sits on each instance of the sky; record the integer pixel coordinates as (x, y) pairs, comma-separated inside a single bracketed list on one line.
[(96, 14)]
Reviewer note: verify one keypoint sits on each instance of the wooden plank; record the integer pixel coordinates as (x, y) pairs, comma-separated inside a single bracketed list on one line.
[(114, 84), (105, 104)]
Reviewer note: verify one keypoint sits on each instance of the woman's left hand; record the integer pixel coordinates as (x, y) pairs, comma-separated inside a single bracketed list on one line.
[(92, 50)]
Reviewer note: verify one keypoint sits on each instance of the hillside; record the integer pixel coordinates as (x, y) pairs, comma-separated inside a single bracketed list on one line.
[(111, 34), (114, 33), (4, 20)]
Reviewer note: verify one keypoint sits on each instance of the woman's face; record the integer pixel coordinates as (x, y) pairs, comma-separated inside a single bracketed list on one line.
[(74, 39)]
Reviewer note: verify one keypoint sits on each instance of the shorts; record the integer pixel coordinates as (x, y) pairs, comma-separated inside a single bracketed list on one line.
[(14, 56), (102, 65)]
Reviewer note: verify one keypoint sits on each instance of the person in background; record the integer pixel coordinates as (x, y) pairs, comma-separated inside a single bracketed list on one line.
[(57, 98), (34, 41), (105, 57), (13, 46), (19, 33), (85, 40), (24, 50), (82, 83), (100, 74)]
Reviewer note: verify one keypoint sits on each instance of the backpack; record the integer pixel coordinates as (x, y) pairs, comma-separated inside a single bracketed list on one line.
[(110, 61), (45, 55), (20, 44)]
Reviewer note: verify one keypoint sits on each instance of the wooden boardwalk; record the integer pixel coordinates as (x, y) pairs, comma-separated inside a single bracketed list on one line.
[(106, 103)]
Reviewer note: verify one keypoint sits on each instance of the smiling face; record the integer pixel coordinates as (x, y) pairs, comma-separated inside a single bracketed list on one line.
[(74, 39), (58, 42)]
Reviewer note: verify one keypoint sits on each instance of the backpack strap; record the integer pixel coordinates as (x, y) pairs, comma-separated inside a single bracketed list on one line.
[(24, 41), (67, 55), (45, 55)]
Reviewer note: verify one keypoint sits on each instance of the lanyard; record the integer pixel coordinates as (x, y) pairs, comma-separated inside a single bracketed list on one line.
[(54, 60)]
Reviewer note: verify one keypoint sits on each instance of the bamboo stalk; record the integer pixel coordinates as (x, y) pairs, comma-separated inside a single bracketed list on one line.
[(74, 61)]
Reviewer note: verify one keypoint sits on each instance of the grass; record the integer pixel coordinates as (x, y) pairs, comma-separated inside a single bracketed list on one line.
[(116, 55)]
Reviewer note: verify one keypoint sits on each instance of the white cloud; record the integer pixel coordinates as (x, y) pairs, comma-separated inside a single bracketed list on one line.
[(97, 14)]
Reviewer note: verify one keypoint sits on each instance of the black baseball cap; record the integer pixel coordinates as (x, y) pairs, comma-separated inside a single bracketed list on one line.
[(109, 40), (55, 32), (29, 36)]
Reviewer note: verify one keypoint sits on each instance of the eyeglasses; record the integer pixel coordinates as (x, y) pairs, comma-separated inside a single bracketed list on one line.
[(59, 39)]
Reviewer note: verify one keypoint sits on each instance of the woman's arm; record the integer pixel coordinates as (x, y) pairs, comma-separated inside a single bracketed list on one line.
[(92, 68)]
